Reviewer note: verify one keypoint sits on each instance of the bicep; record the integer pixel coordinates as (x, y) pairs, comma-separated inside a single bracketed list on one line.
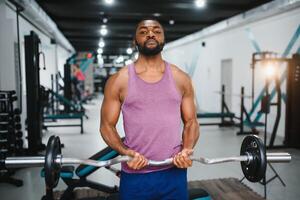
[(111, 105), (188, 106)]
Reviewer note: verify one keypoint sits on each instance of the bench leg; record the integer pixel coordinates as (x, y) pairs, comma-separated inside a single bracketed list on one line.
[(81, 125)]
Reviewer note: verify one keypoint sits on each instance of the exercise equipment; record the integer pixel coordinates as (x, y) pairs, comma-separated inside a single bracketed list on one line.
[(292, 138), (245, 119), (223, 115), (55, 117), (270, 61), (253, 158), (33, 93), (11, 143), (83, 172), (75, 111)]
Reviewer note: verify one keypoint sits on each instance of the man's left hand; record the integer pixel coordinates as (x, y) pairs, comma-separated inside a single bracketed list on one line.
[(182, 159)]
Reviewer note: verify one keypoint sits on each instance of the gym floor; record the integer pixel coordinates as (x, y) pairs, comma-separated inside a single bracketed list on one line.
[(213, 142)]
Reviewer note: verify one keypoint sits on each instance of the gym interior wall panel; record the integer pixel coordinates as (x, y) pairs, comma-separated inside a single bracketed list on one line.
[(45, 46), (9, 21), (62, 56), (7, 61), (237, 43)]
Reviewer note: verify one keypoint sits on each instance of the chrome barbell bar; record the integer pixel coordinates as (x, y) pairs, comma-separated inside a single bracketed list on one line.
[(17, 162)]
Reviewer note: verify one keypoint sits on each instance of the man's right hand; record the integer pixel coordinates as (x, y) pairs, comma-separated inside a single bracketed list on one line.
[(138, 161)]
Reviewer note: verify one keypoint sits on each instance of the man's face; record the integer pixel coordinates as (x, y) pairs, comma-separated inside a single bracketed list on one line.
[(149, 38)]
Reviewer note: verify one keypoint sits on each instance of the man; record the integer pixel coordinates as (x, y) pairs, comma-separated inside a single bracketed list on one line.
[(78, 80), (154, 96)]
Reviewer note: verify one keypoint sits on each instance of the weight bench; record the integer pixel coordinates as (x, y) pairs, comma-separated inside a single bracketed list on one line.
[(83, 171), (215, 115), (245, 119), (54, 117), (222, 116)]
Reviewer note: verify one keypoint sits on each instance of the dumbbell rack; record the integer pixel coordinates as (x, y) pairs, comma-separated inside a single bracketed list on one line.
[(11, 142)]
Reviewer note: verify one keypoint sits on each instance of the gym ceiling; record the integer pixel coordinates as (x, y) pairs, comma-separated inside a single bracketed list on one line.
[(87, 22)]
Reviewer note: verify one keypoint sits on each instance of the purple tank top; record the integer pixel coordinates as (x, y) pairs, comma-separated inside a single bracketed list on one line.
[(151, 117)]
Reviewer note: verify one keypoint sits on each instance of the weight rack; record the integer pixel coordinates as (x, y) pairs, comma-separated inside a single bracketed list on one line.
[(11, 142)]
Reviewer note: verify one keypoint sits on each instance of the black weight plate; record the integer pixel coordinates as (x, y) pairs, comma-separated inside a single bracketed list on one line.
[(52, 169), (255, 170)]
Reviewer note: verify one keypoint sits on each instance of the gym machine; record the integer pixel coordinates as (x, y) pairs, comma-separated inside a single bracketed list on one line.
[(33, 97)]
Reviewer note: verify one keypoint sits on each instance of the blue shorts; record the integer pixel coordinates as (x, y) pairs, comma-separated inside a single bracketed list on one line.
[(160, 185)]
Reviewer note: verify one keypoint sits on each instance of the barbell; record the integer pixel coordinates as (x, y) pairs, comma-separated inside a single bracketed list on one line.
[(253, 158)]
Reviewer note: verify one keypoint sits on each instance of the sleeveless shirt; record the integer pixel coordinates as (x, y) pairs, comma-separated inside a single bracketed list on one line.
[(152, 118)]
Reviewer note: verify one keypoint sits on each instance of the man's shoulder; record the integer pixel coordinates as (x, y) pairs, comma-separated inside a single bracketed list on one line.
[(121, 74), (178, 73), (120, 77)]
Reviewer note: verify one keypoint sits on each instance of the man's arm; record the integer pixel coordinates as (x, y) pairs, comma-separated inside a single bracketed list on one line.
[(190, 133), (110, 112), (189, 117)]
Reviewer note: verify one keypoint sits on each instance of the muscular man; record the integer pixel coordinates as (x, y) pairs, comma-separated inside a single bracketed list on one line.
[(154, 97)]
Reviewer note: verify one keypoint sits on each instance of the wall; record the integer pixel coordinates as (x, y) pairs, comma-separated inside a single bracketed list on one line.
[(238, 42), (7, 78), (55, 55)]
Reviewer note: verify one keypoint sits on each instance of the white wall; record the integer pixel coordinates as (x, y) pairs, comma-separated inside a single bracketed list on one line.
[(271, 33), (55, 55), (7, 78), (45, 46)]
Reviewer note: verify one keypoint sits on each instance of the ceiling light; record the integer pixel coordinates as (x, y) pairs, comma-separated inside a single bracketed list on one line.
[(200, 3), (103, 31), (109, 2), (156, 14), (120, 59), (171, 22), (100, 60), (136, 55), (129, 51), (104, 20), (128, 62), (101, 43), (100, 51)]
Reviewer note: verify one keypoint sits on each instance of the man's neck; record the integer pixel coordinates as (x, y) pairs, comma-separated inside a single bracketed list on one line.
[(150, 62)]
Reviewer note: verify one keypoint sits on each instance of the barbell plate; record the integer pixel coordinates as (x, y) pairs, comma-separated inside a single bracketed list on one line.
[(52, 168), (255, 169)]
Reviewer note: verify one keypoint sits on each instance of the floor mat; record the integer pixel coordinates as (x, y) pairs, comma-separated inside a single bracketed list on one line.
[(226, 189)]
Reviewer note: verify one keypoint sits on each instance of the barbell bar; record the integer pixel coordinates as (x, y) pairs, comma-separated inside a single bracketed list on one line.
[(39, 161), (253, 158)]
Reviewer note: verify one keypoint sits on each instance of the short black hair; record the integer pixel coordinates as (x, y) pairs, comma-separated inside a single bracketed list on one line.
[(145, 19)]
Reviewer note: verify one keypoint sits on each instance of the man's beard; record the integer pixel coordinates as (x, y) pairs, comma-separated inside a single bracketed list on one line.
[(150, 51)]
